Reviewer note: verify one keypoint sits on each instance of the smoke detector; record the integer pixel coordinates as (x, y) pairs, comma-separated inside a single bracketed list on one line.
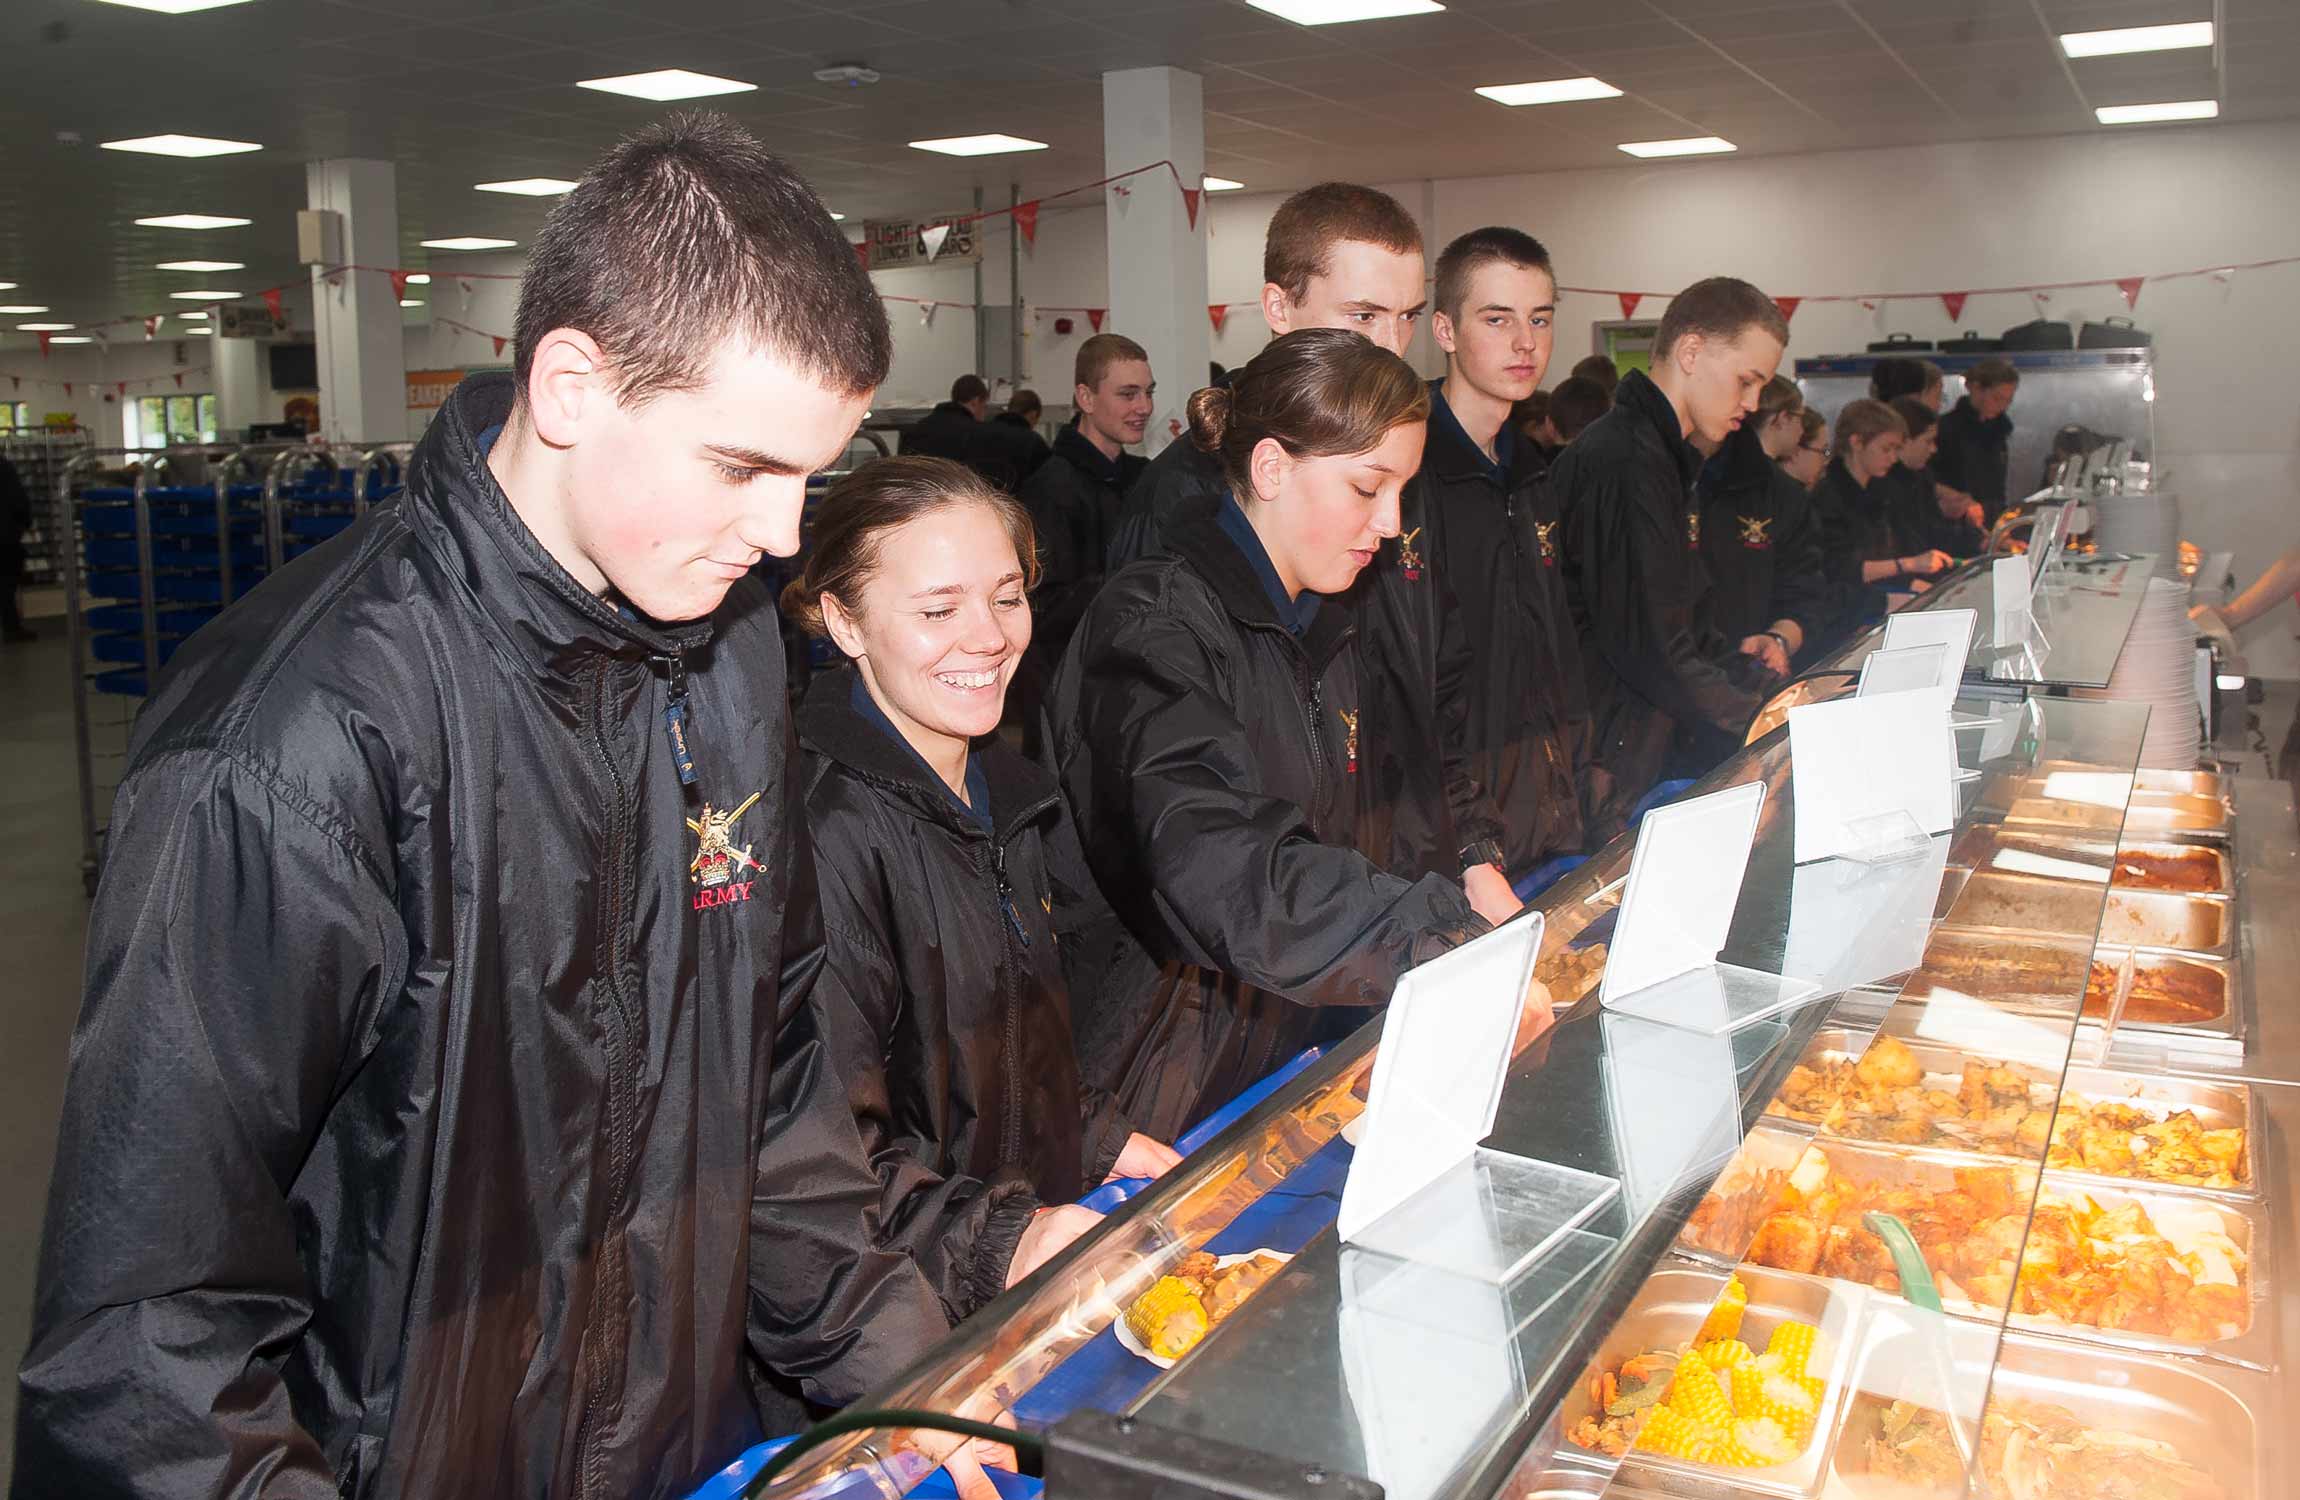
[(852, 75)]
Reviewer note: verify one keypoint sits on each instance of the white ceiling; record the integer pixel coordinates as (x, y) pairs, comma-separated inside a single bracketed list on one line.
[(465, 91)]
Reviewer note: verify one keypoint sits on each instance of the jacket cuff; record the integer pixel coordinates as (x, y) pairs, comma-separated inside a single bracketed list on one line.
[(1002, 1227), (1102, 1153)]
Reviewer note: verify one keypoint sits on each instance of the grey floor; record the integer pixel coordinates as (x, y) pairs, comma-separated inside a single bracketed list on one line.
[(43, 919)]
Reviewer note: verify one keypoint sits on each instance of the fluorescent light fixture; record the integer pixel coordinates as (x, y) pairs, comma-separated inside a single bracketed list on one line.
[(837, 217), (175, 7), (205, 294), (1334, 12), (419, 278), (71, 338), (44, 327), (528, 187), (201, 265), (2145, 114), (201, 314), (7, 286), (2228, 682), (411, 302), (181, 145), (2137, 39), (1219, 184), (469, 242), (978, 145), (667, 83), (1555, 91), (1692, 145), (194, 221), (24, 309)]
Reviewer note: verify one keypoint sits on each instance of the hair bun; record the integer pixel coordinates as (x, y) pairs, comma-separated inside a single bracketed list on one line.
[(803, 608), (1209, 413)]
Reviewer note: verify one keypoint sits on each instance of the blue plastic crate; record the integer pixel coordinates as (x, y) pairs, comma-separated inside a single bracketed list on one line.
[(130, 618), (126, 682), (130, 648)]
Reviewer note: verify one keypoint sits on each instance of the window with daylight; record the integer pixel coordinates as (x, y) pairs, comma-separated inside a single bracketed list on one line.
[(15, 415), (156, 421)]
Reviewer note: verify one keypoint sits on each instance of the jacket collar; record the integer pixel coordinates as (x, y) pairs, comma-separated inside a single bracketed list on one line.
[(1996, 426), (1451, 454), (1079, 449), (1741, 465), (1198, 537), (1639, 395), (831, 726), (542, 616)]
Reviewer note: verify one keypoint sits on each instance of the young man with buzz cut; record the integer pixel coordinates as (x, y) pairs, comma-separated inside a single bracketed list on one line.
[(1657, 668), (1073, 501), (1491, 539), (946, 431), (443, 1116), (1343, 256)]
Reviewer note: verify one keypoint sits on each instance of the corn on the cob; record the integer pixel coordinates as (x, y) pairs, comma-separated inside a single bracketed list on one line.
[(1168, 1319), (1780, 1398), (1724, 1320), (1664, 1432), (1698, 1394), (1747, 1387), (1794, 1343), (1758, 1443), (1724, 1354)]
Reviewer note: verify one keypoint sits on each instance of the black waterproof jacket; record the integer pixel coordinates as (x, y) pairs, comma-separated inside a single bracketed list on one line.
[(1974, 455), (15, 505), (951, 1026), (1855, 528), (1006, 451), (944, 432), (1640, 594), (1073, 502), (1913, 505), (1419, 810), (1760, 542), (1206, 751), (420, 1137), (1493, 544)]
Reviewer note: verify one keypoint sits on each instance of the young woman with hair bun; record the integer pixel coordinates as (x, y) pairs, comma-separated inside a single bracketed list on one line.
[(1205, 727), (1857, 541), (940, 853)]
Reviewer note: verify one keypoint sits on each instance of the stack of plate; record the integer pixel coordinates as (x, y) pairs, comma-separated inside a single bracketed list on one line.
[(2139, 523), (2157, 667)]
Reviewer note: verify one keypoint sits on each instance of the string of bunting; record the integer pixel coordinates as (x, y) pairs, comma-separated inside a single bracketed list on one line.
[(17, 381)]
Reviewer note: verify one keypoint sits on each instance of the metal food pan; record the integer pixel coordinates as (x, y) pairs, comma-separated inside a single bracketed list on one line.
[(1943, 1072), (1827, 1044), (2188, 783), (2210, 860), (2217, 979), (2165, 919), (2245, 1223), (1669, 1310), (1770, 1147), (2028, 904), (2078, 854), (2212, 1417), (2219, 1106), (2188, 814), (2018, 971)]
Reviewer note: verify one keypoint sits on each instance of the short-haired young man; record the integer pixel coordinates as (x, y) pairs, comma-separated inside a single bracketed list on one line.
[(442, 1117), (1600, 371), (1074, 499), (1490, 537), (1577, 402), (1657, 667), (1006, 450), (945, 431), (1976, 436)]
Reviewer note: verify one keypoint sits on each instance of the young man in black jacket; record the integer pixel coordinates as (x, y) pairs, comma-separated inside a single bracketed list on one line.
[(1490, 536), (15, 520), (1658, 668), (945, 431), (443, 1118), (1006, 450), (1976, 436)]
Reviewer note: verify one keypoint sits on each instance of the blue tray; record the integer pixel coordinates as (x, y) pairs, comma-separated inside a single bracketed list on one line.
[(129, 619)]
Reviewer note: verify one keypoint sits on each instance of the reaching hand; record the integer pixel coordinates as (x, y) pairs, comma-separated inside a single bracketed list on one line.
[(1051, 1231), (1143, 1157), (1489, 893), (963, 1458), (1925, 564), (1768, 653)]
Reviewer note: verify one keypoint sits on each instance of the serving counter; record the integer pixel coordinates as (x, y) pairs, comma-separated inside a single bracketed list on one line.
[(2083, 1171)]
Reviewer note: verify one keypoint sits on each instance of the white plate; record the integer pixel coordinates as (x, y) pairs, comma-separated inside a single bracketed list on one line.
[(1133, 1345)]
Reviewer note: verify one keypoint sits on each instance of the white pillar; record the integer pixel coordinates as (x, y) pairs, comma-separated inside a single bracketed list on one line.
[(237, 365), (362, 362), (1157, 260)]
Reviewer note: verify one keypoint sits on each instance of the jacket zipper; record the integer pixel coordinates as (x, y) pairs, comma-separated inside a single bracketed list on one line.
[(1010, 1136), (604, 1333)]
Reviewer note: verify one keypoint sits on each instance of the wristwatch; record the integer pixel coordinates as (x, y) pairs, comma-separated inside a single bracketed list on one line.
[(1481, 852)]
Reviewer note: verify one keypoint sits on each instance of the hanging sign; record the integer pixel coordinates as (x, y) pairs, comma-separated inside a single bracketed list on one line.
[(899, 243), (427, 390)]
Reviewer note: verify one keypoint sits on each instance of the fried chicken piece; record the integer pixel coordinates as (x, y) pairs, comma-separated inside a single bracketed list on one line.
[(1888, 1064), (1787, 1242)]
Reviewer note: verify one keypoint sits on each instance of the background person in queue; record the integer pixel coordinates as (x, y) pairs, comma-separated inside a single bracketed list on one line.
[(1806, 462), (948, 430), (1976, 437), (939, 852), (427, 1131), (1859, 551), (1489, 535), (1657, 667), (1757, 532), (1206, 722), (1926, 514), (1007, 450)]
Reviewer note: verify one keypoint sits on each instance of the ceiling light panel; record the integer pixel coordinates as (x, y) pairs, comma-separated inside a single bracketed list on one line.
[(978, 145), (204, 294), (182, 145), (193, 221), (468, 242), (71, 338), (24, 309), (44, 327), (1554, 91), (1219, 184), (1692, 145), (2152, 114), (667, 83), (1335, 12), (201, 265), (419, 278), (2137, 39), (528, 187), (175, 7)]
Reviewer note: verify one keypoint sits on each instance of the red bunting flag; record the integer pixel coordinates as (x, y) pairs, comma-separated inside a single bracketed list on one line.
[(1026, 220), (1095, 315), (44, 355), (123, 385), (1788, 306), (151, 328), (1219, 312), (1190, 197), (399, 286), (1867, 305), (67, 385), (1955, 303), (179, 380), (499, 343), (2130, 286), (862, 253), (272, 301), (1629, 301)]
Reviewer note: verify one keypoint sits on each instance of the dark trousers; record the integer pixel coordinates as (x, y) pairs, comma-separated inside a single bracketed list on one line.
[(11, 575)]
